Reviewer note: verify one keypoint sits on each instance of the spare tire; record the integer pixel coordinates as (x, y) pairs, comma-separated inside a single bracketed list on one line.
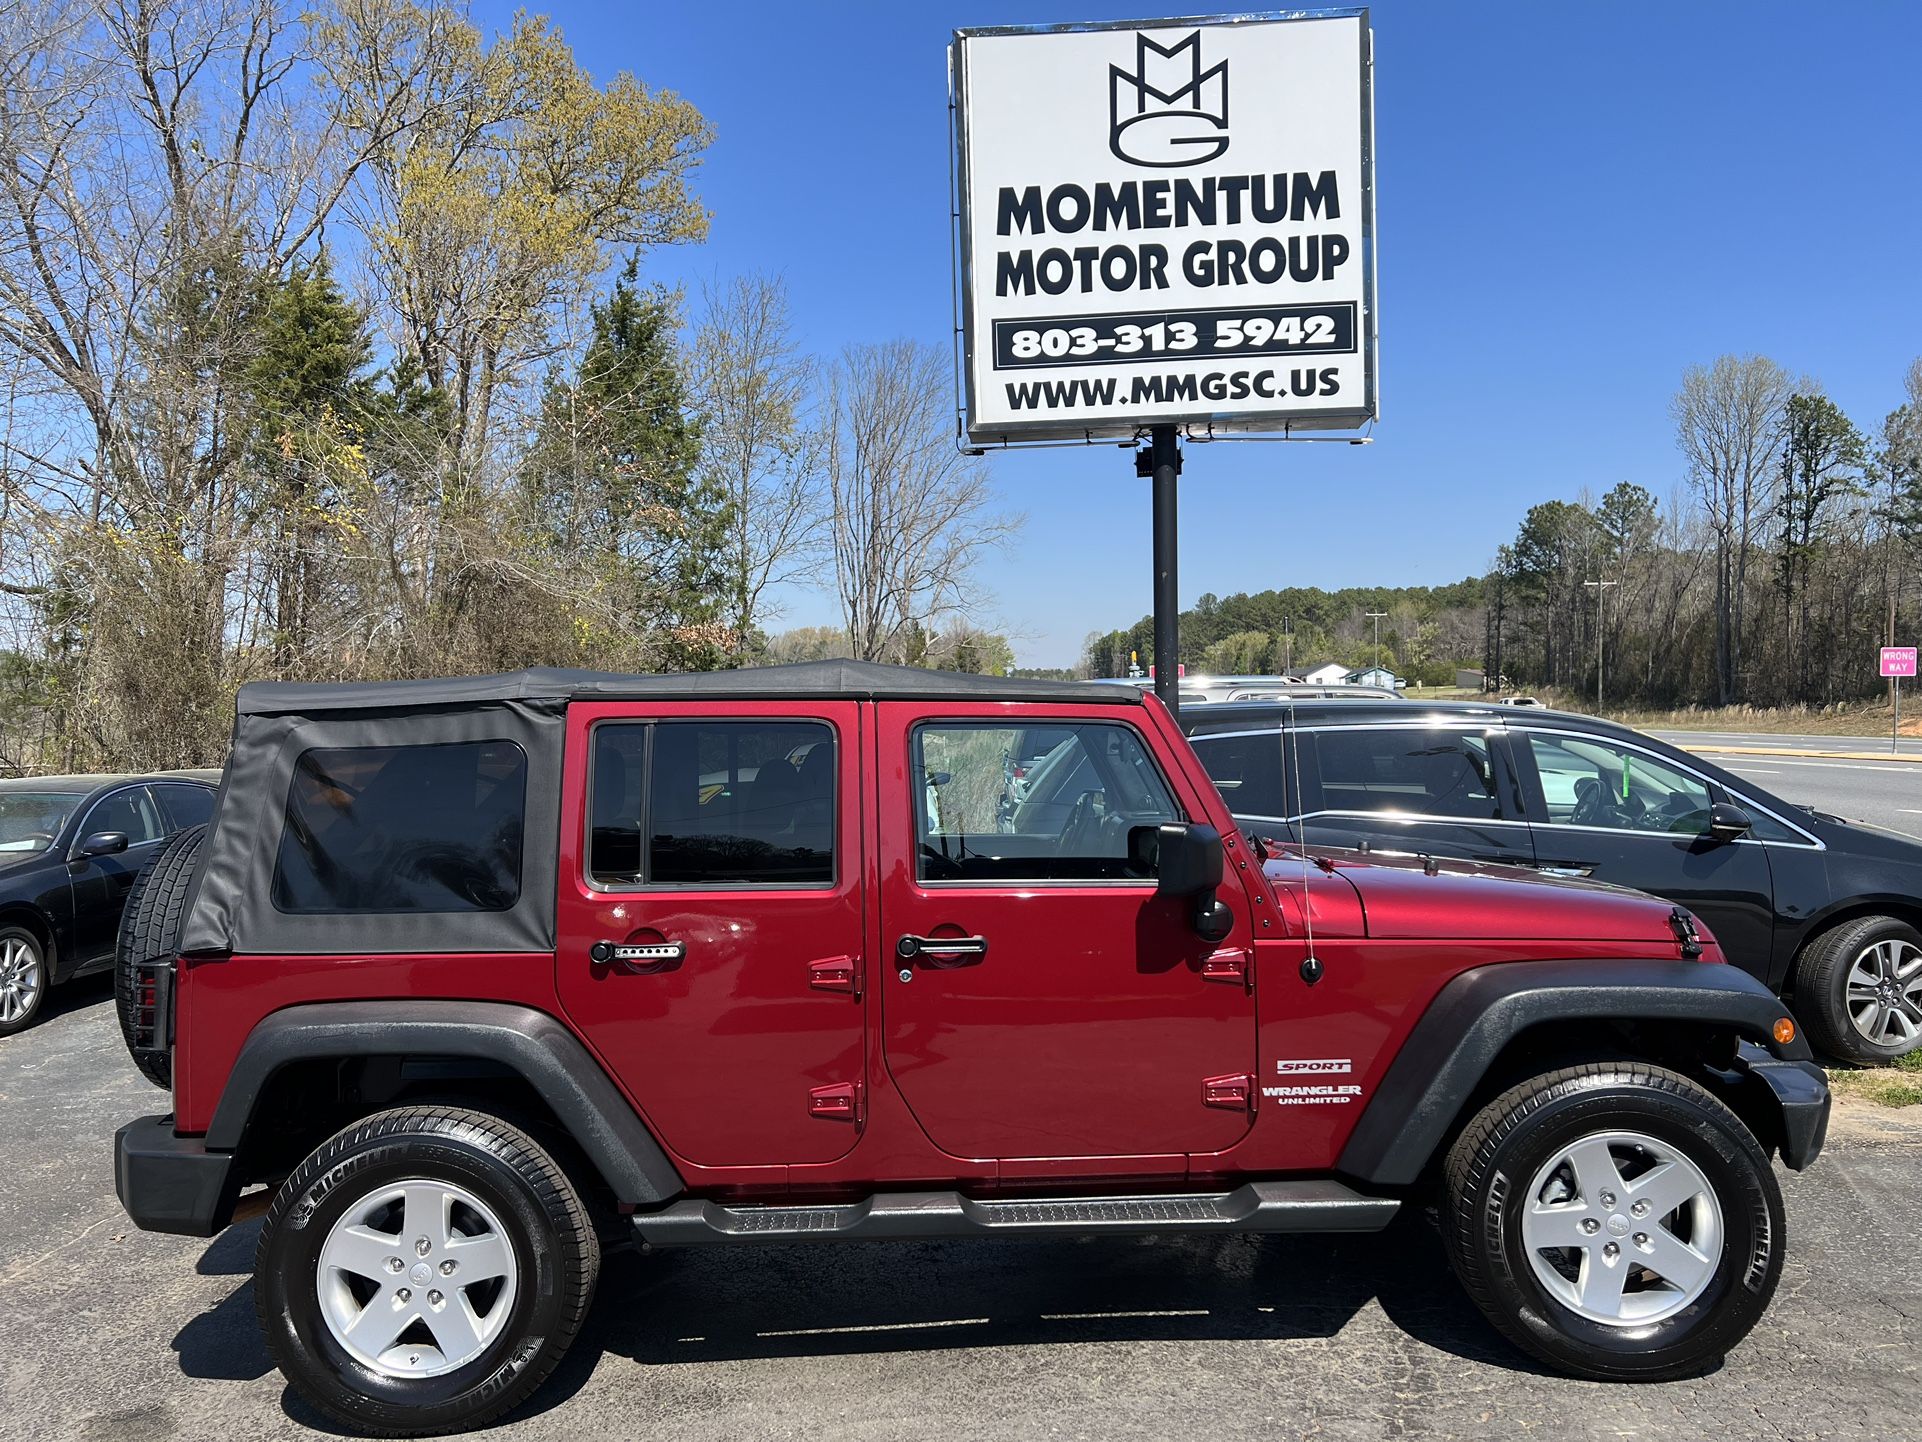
[(149, 930)]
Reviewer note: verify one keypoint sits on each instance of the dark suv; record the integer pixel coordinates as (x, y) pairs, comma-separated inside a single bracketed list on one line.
[(470, 980), (1827, 913)]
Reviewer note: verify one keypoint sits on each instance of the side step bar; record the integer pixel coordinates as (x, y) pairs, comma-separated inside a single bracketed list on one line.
[(1294, 1206)]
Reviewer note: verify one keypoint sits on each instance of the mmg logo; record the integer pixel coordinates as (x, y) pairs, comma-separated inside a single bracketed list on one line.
[(1188, 121)]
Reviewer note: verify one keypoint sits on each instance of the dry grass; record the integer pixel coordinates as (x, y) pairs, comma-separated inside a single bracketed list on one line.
[(1890, 1086), (1845, 718)]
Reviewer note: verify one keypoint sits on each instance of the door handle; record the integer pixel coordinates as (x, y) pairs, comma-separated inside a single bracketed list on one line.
[(638, 956), (1566, 868), (943, 950)]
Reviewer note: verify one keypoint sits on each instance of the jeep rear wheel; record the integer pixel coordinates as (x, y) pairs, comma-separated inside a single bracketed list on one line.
[(1615, 1220), (150, 931), (424, 1271)]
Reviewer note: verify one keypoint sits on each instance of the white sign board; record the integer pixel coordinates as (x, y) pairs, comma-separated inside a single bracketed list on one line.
[(1166, 222)]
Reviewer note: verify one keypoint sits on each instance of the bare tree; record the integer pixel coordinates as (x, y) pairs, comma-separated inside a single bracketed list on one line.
[(1727, 418), (911, 515), (752, 383)]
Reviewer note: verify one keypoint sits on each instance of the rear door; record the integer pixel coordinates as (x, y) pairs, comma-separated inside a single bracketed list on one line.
[(1433, 790), (1615, 812), (1041, 1001), (710, 921)]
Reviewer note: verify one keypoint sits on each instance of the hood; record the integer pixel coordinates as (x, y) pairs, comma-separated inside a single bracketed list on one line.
[(1406, 897)]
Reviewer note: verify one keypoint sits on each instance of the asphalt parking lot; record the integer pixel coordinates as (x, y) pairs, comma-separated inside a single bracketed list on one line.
[(110, 1333)]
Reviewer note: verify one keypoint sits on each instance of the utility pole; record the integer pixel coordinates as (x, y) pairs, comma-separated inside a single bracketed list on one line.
[(1377, 617), (1600, 589), (1287, 647)]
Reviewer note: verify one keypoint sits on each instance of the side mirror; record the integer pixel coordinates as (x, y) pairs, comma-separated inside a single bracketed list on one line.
[(104, 843), (1188, 861), (1729, 822)]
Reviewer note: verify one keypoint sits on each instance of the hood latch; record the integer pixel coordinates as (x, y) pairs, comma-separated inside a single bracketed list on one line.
[(1682, 923)]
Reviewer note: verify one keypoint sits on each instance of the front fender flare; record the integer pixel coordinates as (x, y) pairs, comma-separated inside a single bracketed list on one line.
[(1477, 1014), (541, 1050)]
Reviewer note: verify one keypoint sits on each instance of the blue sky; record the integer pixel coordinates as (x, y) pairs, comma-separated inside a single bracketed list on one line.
[(1576, 202)]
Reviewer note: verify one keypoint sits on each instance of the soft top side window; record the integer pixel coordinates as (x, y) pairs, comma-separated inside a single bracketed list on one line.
[(396, 829)]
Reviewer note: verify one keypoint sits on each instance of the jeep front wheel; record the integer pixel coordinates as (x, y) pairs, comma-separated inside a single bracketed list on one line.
[(423, 1271), (1615, 1220)]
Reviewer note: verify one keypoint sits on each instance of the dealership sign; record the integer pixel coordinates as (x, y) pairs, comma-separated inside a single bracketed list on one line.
[(1166, 222)]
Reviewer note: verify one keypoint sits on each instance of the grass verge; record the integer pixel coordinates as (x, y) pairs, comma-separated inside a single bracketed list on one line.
[(1890, 1086)]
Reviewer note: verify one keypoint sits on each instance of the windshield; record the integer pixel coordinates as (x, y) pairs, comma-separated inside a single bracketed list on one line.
[(30, 820)]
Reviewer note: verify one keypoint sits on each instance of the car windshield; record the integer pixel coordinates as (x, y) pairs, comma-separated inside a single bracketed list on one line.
[(30, 820)]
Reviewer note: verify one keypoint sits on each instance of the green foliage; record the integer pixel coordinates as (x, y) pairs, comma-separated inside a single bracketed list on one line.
[(612, 473)]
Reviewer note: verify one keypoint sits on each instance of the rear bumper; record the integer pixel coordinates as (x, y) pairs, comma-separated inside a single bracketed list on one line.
[(171, 1183), (1800, 1090)]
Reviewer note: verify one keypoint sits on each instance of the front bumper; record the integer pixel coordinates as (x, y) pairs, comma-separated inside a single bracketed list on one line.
[(171, 1183), (1800, 1092)]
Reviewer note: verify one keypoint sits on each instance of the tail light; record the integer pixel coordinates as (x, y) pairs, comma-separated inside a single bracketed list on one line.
[(151, 1026)]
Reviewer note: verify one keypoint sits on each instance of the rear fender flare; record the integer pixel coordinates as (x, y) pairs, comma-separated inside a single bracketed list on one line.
[(540, 1049), (1481, 1011)]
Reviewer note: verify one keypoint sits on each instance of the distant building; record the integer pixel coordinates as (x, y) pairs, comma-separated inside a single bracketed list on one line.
[(1374, 676), (1336, 674)]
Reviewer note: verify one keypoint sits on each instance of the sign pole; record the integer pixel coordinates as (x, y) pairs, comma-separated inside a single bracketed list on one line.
[(1161, 459), (1895, 730)]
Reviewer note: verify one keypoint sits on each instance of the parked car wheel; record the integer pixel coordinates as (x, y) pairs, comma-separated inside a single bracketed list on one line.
[(150, 928), (1614, 1220), (1858, 989), (423, 1271), (23, 978)]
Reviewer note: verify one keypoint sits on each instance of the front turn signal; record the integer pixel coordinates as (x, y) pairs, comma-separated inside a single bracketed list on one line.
[(1784, 1030)]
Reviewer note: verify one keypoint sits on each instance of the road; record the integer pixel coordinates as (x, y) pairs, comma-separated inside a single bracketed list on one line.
[(108, 1334), (1887, 793)]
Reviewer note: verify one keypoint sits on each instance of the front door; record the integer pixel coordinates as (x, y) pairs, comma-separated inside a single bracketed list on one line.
[(1617, 813), (1041, 1001), (101, 883), (710, 921)]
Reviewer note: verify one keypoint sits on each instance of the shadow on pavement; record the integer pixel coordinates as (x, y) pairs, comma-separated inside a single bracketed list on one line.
[(720, 1305), (686, 1308)]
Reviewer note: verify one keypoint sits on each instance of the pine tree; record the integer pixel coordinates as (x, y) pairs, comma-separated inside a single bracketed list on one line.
[(612, 473)]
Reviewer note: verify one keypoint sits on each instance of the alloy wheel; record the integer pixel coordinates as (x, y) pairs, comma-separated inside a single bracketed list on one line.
[(19, 979), (1622, 1229), (417, 1278), (1884, 996)]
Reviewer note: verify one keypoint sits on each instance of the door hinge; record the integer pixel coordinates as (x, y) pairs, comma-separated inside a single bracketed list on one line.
[(836, 973), (840, 1102), (1229, 966), (1232, 1093)]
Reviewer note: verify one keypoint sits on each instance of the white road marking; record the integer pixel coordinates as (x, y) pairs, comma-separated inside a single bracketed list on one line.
[(1877, 766)]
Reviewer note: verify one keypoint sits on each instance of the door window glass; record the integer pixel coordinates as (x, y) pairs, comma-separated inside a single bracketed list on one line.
[(1033, 803), (403, 829), (186, 805), (716, 802), (1248, 771), (1419, 770), (132, 811), (1588, 782)]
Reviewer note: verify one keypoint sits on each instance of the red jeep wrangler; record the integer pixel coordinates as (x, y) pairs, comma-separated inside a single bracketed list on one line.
[(476, 978)]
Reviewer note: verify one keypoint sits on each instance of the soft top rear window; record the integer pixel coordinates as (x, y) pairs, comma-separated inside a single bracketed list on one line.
[(403, 829)]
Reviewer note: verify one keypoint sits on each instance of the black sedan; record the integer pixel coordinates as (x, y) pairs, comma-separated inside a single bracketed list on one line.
[(70, 847), (1826, 912)]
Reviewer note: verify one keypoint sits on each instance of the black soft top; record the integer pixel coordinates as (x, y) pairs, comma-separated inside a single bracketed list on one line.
[(853, 680), (231, 905)]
